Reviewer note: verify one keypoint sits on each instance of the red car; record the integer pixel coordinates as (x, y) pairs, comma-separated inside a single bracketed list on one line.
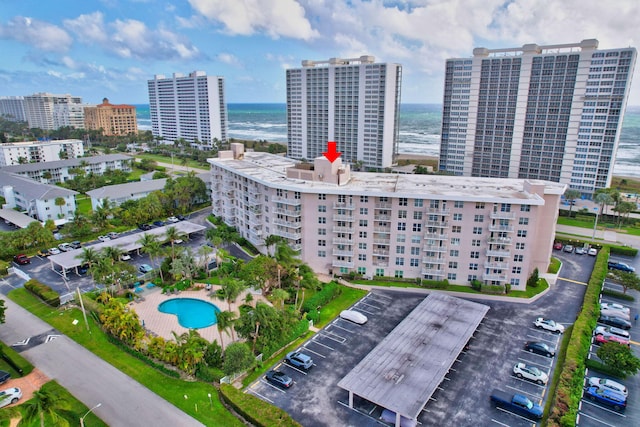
[(603, 339), (557, 246), (22, 259)]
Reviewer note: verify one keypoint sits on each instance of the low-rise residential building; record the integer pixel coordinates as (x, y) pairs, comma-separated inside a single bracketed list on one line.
[(113, 119), (16, 153), (432, 227), (39, 201), (64, 170)]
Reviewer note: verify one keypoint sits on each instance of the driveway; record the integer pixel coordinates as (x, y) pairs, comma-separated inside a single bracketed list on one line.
[(125, 402)]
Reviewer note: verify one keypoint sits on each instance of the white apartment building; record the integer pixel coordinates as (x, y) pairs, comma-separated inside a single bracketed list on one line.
[(48, 111), (191, 107), (12, 108), (353, 102), (57, 171), (543, 112), (15, 153), (39, 201), (376, 224)]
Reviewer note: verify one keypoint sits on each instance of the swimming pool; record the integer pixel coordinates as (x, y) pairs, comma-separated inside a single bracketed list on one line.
[(192, 313)]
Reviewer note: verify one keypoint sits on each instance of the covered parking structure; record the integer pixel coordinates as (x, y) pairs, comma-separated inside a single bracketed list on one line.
[(19, 219), (73, 259), (404, 370)]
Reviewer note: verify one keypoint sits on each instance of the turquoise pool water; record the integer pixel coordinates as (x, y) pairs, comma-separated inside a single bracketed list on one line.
[(192, 313)]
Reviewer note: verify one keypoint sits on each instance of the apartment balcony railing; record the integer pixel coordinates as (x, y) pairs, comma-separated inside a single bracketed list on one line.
[(501, 228), (432, 260), (381, 264), (343, 252), (288, 224), (343, 229), (438, 211), (342, 241), (498, 252), (432, 272), (381, 242), (436, 236), (288, 212), (290, 202), (381, 252), (345, 264), (383, 206), (343, 205), (496, 265), (382, 218), (287, 235), (440, 224), (502, 215), (500, 241), (343, 218), (385, 230), (495, 277), (434, 248)]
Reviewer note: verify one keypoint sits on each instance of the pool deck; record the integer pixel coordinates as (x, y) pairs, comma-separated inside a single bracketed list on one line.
[(163, 324)]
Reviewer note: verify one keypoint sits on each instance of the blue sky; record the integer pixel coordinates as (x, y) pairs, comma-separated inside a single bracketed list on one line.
[(110, 48)]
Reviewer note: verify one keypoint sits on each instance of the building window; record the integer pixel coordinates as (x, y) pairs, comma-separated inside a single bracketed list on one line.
[(402, 201), (362, 234), (399, 274), (399, 249), (362, 246), (402, 226), (451, 276), (364, 211), (401, 238), (379, 271), (474, 255), (363, 223), (479, 205), (475, 242), (364, 199), (399, 261), (478, 218), (322, 208), (477, 230), (455, 241), (417, 226), (471, 277), (322, 254), (322, 242), (453, 264), (525, 208), (515, 282), (458, 204), (322, 197), (322, 231), (454, 252), (362, 257), (418, 203), (414, 262), (518, 258), (417, 215), (322, 220), (523, 221), (456, 229), (362, 270), (522, 233), (402, 214), (473, 266), (520, 246), (457, 217), (516, 270), (416, 238)]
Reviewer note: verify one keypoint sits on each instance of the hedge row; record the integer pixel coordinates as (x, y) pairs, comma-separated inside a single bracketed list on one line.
[(142, 357), (4, 268), (569, 390), (298, 330), (19, 363), (434, 284), (624, 250), (254, 410), (328, 292), (44, 292)]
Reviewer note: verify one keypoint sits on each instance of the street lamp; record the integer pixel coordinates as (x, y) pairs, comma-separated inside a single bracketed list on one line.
[(210, 401), (595, 224), (88, 412)]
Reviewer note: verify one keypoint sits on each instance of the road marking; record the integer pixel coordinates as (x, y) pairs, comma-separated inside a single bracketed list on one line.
[(514, 414), (572, 281), (328, 334), (314, 352), (611, 411), (523, 392), (51, 338), (272, 386), (634, 342), (23, 342), (344, 329), (323, 345), (370, 305), (498, 422), (259, 395), (363, 310), (526, 381)]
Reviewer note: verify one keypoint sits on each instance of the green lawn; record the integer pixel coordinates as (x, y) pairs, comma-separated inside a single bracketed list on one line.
[(197, 403), (83, 204), (176, 161)]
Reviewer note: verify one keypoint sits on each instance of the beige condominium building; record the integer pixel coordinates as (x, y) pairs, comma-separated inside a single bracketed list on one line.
[(378, 224), (113, 119)]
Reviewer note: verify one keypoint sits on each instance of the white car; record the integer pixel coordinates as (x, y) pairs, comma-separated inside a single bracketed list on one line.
[(65, 247), (607, 384), (353, 316), (125, 257), (54, 251), (173, 219), (178, 242), (531, 373), (612, 330), (615, 313), (614, 306), (548, 325), (9, 396), (104, 238), (592, 252)]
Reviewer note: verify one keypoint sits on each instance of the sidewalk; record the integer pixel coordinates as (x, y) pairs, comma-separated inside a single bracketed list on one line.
[(605, 236)]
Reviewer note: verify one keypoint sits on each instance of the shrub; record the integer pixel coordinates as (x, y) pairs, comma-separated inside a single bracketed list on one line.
[(624, 251), (328, 292), (44, 292), (532, 281), (15, 360), (144, 358), (476, 284), (492, 289), (4, 268), (255, 410), (208, 374), (435, 284)]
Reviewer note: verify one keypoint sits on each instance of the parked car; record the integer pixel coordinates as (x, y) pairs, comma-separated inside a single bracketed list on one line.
[(614, 306), (603, 339), (614, 321), (518, 403), (299, 360), (172, 219), (104, 238), (54, 251), (9, 396), (568, 248), (178, 242), (145, 268), (75, 244), (125, 257), (539, 348), (44, 253), (181, 217), (557, 246), (144, 227), (279, 378), (580, 250), (615, 313), (83, 269), (606, 397), (607, 384), (549, 325), (112, 234), (531, 373), (592, 252), (158, 223), (21, 259), (4, 376), (353, 316), (612, 330), (616, 265), (65, 247)]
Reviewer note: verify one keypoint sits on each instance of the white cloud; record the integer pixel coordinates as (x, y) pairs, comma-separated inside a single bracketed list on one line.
[(229, 58), (88, 28), (62, 76), (39, 34), (276, 18)]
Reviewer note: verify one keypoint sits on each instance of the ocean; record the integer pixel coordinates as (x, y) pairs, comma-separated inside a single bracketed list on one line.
[(419, 129)]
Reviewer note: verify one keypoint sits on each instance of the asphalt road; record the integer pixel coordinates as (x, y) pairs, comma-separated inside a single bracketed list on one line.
[(125, 402)]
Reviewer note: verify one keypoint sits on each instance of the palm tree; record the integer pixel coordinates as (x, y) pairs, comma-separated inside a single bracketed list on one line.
[(172, 234), (90, 257), (113, 253), (225, 321), (571, 195), (280, 295), (230, 289), (45, 403), (151, 245), (60, 202), (272, 240)]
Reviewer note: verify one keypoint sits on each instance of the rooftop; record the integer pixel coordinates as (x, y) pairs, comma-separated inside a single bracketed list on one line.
[(48, 142), (30, 189), (405, 369), (270, 170), (69, 163)]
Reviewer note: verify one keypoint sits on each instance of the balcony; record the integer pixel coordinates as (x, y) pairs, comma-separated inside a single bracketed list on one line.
[(288, 212), (384, 230), (342, 241), (432, 260), (343, 218), (500, 241), (382, 218), (384, 242), (296, 247), (502, 215), (343, 252), (381, 263), (436, 236), (288, 224), (434, 248), (432, 272), (255, 201), (383, 206), (290, 202), (438, 211), (256, 235), (287, 235), (496, 265), (343, 230), (498, 277), (501, 228), (343, 205), (439, 224), (343, 264), (381, 252), (498, 252)]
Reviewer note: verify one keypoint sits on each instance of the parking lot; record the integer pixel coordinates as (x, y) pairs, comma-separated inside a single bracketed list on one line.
[(462, 399)]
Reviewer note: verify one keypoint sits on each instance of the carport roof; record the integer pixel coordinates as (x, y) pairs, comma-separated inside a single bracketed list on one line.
[(17, 218), (403, 371), (128, 243)]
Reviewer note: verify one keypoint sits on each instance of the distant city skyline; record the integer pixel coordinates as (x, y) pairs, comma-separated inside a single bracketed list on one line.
[(110, 48)]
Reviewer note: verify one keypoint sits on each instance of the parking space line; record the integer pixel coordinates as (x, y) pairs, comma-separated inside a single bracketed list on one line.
[(323, 345), (582, 414), (362, 413), (516, 415), (498, 422), (375, 295), (363, 310), (541, 339), (529, 382), (260, 396), (545, 358), (294, 368), (314, 352), (529, 362), (588, 402), (272, 386), (344, 329), (370, 305), (523, 392), (335, 337), (572, 281)]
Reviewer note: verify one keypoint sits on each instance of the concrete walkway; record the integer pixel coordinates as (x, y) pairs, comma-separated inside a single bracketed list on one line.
[(125, 402), (609, 235)]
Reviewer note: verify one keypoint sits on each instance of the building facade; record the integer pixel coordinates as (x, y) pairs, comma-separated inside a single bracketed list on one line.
[(354, 102), (15, 153), (460, 229), (48, 111), (12, 108), (54, 172), (114, 120), (542, 112), (190, 107)]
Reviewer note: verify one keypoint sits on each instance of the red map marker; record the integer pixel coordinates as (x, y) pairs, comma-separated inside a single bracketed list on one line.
[(331, 154)]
